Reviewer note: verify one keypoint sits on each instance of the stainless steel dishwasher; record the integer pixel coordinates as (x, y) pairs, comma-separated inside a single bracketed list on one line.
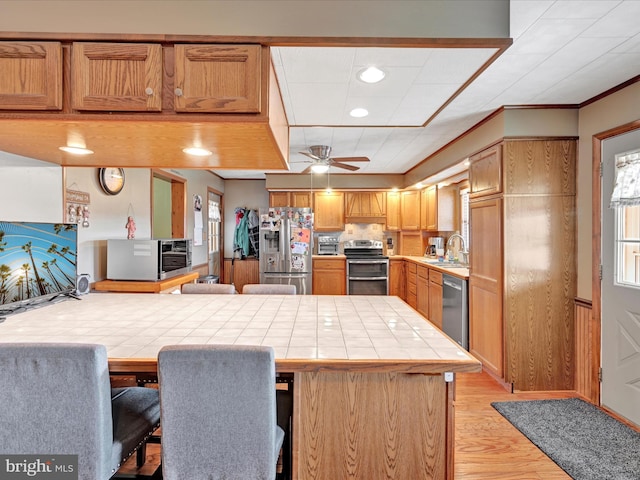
[(455, 309)]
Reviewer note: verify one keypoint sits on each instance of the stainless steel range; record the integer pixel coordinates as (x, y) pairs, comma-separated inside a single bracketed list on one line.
[(367, 268)]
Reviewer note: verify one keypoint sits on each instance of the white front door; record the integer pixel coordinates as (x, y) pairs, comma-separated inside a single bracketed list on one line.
[(620, 291)]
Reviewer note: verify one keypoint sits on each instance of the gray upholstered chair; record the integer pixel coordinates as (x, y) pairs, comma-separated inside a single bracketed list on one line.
[(268, 289), (218, 410), (208, 288), (57, 399)]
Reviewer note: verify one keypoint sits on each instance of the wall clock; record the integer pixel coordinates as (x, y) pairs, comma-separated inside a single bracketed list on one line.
[(111, 180)]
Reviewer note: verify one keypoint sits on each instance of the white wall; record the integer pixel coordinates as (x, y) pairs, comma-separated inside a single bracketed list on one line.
[(108, 215), (614, 110), (30, 190)]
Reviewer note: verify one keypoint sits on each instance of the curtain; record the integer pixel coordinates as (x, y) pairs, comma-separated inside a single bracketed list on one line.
[(626, 191)]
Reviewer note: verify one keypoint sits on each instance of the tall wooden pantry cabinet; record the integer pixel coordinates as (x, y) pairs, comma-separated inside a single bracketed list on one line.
[(522, 279)]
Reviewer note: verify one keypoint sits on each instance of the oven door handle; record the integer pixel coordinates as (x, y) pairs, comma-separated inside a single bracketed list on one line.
[(367, 278), (368, 262)]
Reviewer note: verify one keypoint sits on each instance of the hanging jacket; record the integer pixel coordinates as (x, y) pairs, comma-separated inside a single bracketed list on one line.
[(241, 234)]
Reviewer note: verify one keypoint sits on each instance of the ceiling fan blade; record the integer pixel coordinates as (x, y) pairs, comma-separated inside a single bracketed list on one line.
[(345, 166), (310, 155), (350, 159)]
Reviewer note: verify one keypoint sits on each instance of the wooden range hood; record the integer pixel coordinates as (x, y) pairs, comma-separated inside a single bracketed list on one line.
[(252, 138)]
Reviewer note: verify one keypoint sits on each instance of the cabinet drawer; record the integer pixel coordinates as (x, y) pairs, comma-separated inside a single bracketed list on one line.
[(435, 276), (423, 272), (411, 289), (411, 267), (329, 264)]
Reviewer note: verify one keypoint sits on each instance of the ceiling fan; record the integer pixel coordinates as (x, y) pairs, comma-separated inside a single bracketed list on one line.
[(321, 160)]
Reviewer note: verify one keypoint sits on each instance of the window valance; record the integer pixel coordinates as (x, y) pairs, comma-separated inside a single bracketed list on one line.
[(626, 191)]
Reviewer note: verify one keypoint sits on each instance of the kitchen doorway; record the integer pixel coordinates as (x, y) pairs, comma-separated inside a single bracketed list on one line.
[(168, 207), (620, 289), (215, 224)]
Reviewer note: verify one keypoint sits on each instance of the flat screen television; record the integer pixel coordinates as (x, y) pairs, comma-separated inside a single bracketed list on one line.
[(37, 263)]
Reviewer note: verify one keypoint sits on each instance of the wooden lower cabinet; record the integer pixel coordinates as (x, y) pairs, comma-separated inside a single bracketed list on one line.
[(435, 298), (329, 276), (422, 290), (410, 269), (396, 279)]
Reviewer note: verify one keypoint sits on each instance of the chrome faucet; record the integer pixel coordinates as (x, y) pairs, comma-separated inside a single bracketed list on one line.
[(463, 250)]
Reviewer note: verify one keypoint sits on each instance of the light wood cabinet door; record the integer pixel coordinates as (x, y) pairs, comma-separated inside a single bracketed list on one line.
[(290, 199), (329, 276), (393, 211), (422, 290), (431, 213), (435, 298), (485, 172), (31, 76), (217, 78), (485, 284), (116, 77), (396, 278), (301, 199), (278, 199), (410, 210), (328, 215)]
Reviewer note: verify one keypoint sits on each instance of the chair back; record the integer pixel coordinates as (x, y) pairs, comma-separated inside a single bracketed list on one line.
[(218, 411), (56, 399), (269, 289), (208, 288)]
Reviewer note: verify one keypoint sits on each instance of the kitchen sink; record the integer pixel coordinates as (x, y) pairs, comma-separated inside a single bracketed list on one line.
[(446, 264)]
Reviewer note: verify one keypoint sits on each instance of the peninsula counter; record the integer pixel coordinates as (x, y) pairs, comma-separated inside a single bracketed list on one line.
[(373, 380)]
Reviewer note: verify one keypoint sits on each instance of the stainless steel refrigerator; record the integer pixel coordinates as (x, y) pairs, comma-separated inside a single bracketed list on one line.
[(286, 246)]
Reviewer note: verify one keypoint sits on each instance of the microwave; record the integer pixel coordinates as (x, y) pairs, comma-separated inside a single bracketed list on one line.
[(152, 260)]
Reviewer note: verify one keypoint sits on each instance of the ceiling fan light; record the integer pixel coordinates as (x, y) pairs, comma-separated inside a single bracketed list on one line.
[(371, 75), (197, 151), (359, 112), (320, 168)]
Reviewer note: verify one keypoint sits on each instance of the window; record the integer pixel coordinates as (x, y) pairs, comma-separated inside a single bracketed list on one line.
[(628, 246)]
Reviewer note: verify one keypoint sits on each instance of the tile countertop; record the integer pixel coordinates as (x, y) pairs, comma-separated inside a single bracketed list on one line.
[(307, 332)]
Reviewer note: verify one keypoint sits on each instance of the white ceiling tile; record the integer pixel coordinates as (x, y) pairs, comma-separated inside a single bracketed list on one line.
[(525, 13), (317, 64), (318, 103), (632, 45), (548, 35), (621, 21), (391, 57), (396, 81), (580, 8), (454, 66)]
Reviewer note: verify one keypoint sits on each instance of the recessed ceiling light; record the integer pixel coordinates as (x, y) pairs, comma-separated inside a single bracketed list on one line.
[(197, 151), (319, 168), (76, 150), (359, 112), (371, 75)]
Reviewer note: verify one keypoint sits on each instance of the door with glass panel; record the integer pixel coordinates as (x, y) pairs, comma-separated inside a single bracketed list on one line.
[(621, 276), (214, 233)]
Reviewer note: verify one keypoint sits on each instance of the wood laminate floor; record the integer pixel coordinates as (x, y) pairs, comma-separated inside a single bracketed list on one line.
[(487, 447)]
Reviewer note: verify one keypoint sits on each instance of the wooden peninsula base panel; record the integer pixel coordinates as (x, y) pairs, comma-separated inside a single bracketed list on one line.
[(372, 426), (373, 381)]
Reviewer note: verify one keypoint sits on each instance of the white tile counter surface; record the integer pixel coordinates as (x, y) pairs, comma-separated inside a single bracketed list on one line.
[(136, 326)]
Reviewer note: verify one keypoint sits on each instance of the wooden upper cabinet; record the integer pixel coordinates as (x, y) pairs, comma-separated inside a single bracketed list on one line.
[(124, 77), (290, 199), (485, 172), (410, 210), (539, 167), (328, 212), (429, 208), (393, 211), (217, 78), (31, 76), (365, 204)]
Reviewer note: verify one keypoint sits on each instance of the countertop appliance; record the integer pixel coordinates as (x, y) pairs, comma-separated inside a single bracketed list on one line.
[(152, 260), (328, 245), (455, 309), (286, 247), (367, 268), (433, 244)]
